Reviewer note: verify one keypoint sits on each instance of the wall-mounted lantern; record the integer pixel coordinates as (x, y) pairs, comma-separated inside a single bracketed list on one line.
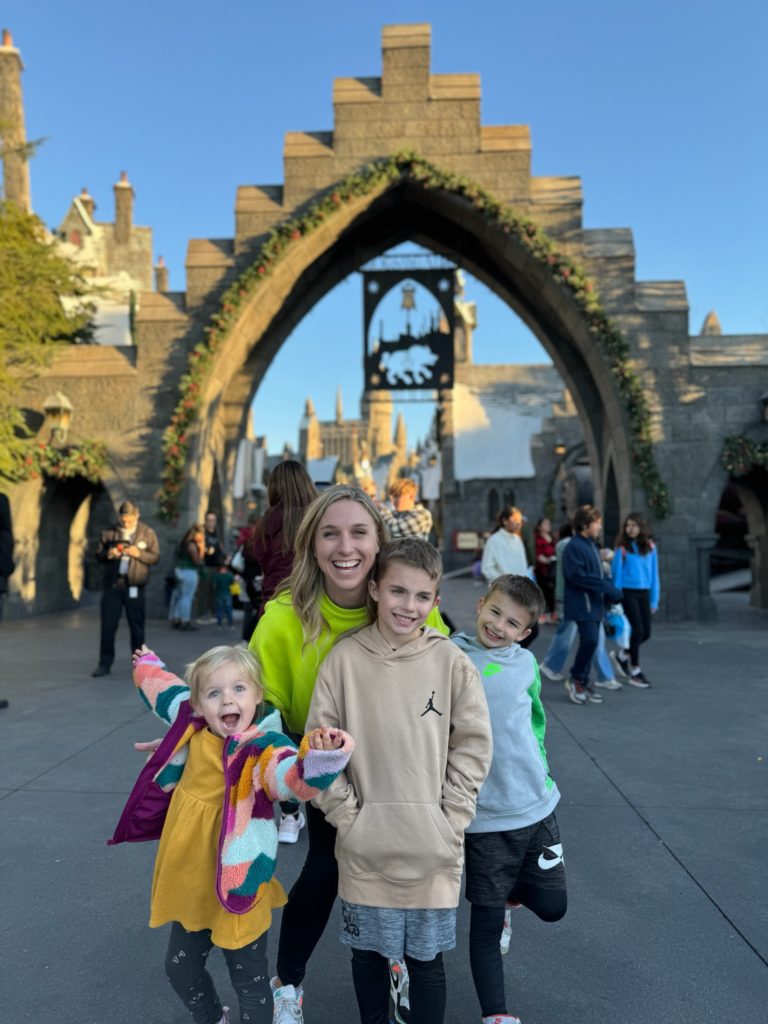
[(58, 415)]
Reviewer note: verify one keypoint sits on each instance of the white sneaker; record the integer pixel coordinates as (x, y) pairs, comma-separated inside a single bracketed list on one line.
[(399, 987), (608, 684), (290, 826), (555, 677), (287, 1000), (501, 1018)]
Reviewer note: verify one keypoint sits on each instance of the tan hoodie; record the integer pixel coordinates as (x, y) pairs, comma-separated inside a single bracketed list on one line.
[(423, 749)]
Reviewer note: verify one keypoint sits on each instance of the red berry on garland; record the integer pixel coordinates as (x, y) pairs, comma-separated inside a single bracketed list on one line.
[(296, 234)]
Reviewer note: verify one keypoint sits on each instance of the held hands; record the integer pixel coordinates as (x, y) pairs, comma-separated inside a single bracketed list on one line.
[(325, 739)]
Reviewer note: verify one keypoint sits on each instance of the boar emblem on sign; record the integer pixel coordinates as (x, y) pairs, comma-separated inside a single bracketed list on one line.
[(408, 365)]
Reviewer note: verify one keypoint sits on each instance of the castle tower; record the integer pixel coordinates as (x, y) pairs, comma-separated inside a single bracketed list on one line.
[(339, 408), (377, 412), (401, 437), (310, 445), (12, 130)]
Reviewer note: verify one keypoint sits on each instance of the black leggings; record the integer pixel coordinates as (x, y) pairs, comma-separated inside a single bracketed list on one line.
[(637, 608), (485, 925), (185, 966), (426, 991), (310, 901)]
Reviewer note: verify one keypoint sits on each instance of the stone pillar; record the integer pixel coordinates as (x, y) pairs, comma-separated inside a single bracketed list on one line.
[(123, 209), (758, 594), (12, 131), (702, 547), (161, 275)]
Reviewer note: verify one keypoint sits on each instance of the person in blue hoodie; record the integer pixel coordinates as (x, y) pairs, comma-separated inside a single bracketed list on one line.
[(586, 590), (513, 852), (635, 570)]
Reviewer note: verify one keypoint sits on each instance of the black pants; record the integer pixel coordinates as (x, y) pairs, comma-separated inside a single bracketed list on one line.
[(185, 967), (485, 925), (637, 608), (113, 600), (426, 979), (310, 901), (589, 633)]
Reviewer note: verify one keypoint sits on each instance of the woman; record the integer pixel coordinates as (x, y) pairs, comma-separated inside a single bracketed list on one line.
[(544, 567), (635, 570), (271, 544), (335, 552), (504, 551), (189, 558)]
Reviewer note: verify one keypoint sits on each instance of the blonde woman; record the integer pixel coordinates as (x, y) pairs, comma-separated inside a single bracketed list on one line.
[(326, 595)]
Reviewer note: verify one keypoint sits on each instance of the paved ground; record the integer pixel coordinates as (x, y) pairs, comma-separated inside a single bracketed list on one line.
[(663, 819)]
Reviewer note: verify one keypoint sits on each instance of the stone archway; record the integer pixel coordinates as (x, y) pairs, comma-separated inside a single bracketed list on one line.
[(444, 223)]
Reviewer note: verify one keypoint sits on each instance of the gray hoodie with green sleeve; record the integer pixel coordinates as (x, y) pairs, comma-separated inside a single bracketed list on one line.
[(518, 790)]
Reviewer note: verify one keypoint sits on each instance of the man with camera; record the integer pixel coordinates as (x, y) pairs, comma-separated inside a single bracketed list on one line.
[(127, 549)]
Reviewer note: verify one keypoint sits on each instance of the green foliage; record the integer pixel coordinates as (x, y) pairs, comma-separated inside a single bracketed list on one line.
[(380, 175), (88, 460), (740, 455), (42, 306)]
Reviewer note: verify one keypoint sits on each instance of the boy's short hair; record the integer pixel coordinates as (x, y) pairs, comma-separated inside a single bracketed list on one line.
[(419, 554), (521, 590), (199, 671), (585, 515), (403, 485)]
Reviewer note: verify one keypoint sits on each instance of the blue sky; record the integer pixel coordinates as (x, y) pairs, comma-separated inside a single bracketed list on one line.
[(660, 108)]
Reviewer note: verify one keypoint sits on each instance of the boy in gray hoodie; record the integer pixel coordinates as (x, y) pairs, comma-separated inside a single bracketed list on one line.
[(513, 851)]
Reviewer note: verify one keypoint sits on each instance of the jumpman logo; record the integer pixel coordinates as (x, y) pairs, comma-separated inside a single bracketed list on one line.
[(431, 707)]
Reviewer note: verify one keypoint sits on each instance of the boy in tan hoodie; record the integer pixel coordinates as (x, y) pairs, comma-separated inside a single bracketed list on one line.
[(417, 707)]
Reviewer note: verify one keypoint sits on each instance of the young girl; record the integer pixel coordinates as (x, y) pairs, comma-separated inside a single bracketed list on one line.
[(213, 876), (635, 570)]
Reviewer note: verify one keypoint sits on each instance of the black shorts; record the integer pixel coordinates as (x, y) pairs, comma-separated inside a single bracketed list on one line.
[(498, 861)]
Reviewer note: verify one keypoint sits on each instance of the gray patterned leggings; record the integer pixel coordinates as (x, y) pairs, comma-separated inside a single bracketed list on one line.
[(185, 967)]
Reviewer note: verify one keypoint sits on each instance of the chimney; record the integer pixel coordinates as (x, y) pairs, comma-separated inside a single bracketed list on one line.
[(88, 202), (12, 131), (123, 209), (161, 275)]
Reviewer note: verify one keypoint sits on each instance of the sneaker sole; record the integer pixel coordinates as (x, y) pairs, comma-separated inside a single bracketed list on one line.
[(609, 684), (640, 685), (573, 698)]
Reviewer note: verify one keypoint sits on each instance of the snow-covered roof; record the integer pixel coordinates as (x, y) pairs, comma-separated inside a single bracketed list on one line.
[(492, 437)]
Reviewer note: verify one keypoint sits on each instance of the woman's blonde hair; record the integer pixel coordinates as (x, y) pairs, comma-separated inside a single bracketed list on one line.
[(199, 672), (306, 580)]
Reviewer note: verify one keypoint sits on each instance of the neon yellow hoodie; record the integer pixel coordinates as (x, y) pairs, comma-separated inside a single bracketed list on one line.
[(288, 673)]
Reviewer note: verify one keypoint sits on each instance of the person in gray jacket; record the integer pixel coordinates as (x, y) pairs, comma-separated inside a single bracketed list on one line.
[(514, 855)]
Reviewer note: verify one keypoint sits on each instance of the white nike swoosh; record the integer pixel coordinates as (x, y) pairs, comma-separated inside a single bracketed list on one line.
[(545, 863)]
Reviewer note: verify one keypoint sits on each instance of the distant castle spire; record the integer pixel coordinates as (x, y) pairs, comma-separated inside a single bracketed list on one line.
[(339, 407), (12, 130), (711, 325), (401, 435)]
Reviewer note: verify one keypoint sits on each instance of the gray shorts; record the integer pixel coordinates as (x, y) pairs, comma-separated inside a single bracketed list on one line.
[(422, 934)]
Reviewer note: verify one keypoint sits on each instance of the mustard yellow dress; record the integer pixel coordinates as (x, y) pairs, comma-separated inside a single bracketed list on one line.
[(184, 882)]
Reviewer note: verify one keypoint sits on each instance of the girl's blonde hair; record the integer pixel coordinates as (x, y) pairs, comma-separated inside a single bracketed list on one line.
[(199, 672), (305, 583)]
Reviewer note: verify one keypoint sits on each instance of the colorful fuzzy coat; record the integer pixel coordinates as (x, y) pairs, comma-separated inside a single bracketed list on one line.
[(260, 765)]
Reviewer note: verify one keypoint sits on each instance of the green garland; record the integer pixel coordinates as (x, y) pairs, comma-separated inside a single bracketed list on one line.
[(740, 455), (87, 459), (383, 173)]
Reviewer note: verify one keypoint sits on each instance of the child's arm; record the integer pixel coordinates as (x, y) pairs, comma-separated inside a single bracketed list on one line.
[(285, 773), (470, 749), (161, 691), (538, 717), (339, 802)]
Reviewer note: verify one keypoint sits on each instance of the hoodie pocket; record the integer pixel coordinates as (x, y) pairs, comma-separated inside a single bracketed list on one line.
[(403, 842)]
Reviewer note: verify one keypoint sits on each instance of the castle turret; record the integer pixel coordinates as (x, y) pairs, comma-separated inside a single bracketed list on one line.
[(123, 209), (401, 436), (12, 130), (339, 408), (310, 445), (711, 325)]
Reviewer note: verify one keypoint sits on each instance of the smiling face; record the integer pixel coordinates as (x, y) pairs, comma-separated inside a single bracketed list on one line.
[(501, 620), (345, 546), (228, 700), (405, 596)]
